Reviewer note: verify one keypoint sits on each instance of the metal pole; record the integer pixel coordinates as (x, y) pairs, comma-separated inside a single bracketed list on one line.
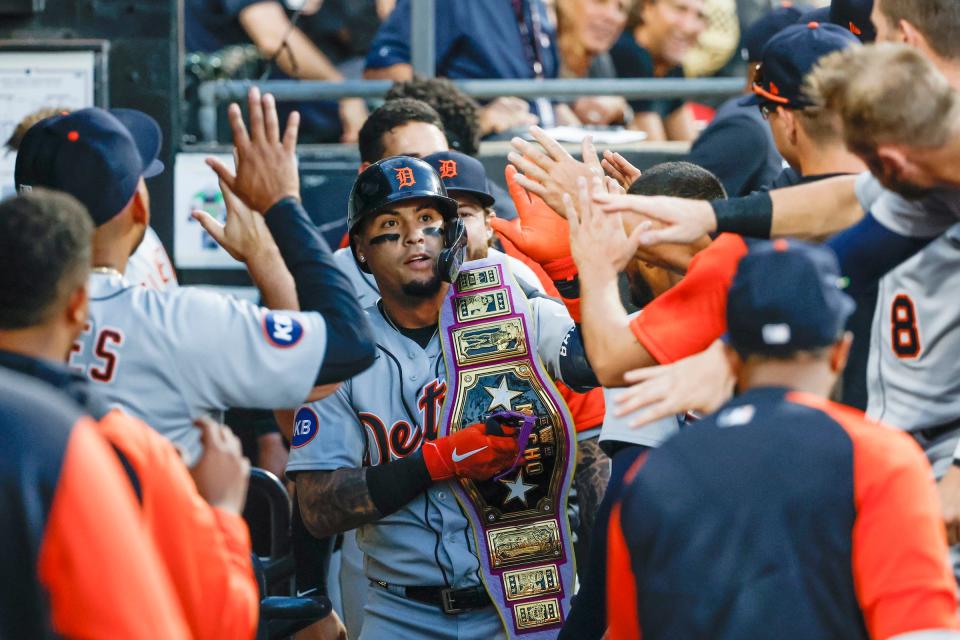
[(423, 37), (648, 88), (207, 113)]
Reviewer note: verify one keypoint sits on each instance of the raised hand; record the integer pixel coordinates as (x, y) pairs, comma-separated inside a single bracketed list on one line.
[(598, 241), (700, 383), (244, 234), (682, 221), (619, 168), (552, 172), (539, 231), (266, 163)]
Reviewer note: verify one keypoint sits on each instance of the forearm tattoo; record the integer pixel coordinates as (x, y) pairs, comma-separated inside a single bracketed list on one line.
[(335, 501)]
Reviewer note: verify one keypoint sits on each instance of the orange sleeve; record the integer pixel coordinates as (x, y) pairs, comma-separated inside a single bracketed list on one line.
[(587, 409), (900, 558), (206, 550), (511, 250), (99, 565), (623, 620), (690, 316)]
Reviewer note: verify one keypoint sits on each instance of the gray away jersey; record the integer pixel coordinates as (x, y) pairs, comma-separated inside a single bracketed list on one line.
[(384, 414), (171, 357), (368, 293), (925, 218), (913, 374), (150, 265)]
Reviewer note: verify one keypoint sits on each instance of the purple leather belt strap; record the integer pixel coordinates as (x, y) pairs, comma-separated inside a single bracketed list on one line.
[(519, 517)]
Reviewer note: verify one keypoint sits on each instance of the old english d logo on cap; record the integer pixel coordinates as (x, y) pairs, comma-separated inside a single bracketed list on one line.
[(448, 168)]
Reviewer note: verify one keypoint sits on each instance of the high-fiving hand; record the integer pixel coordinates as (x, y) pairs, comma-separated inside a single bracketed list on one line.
[(552, 172), (266, 164), (598, 241), (245, 232)]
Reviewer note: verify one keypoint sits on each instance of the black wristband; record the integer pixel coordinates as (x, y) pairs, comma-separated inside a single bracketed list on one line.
[(280, 204), (569, 289), (750, 215), (395, 484)]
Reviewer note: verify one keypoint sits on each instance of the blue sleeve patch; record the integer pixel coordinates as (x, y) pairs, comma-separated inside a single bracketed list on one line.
[(282, 329), (306, 423)]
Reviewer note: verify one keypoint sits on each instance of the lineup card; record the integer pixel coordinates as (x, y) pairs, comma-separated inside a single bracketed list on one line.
[(35, 80)]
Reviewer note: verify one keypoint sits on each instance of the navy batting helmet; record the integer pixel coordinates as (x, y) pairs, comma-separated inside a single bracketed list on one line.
[(393, 180), (401, 178)]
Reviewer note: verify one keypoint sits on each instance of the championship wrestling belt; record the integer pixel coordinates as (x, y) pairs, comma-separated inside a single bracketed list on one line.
[(519, 517)]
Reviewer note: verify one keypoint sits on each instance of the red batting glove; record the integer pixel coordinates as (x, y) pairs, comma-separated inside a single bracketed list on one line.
[(541, 233), (468, 453)]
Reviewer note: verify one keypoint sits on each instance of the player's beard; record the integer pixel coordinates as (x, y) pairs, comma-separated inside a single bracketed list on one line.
[(908, 190), (423, 288)]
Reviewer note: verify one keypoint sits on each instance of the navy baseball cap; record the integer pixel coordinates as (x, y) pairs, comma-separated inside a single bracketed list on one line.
[(95, 155), (820, 14), (790, 56), (854, 16), (758, 34), (462, 174), (786, 297)]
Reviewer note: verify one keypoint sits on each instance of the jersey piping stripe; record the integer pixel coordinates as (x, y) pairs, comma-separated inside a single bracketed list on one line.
[(366, 280), (403, 397), (436, 535), (113, 295), (426, 497)]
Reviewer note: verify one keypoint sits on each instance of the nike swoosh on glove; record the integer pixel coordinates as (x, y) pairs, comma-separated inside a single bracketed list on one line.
[(468, 453)]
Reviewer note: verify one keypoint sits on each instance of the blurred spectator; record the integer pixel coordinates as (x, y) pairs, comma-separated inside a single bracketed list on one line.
[(854, 15), (739, 126), (493, 39), (343, 31), (401, 127), (718, 42), (211, 25), (659, 35), (458, 111), (461, 124), (586, 29)]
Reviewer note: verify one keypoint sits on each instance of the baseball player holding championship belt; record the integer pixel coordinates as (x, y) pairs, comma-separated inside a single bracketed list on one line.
[(452, 454)]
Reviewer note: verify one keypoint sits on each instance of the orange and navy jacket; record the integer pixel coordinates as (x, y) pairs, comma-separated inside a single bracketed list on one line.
[(76, 559), (206, 551), (687, 318), (782, 515)]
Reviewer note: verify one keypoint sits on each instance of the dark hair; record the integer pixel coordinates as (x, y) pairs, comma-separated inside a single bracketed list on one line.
[(457, 110), (677, 179), (45, 249), (680, 180), (389, 116)]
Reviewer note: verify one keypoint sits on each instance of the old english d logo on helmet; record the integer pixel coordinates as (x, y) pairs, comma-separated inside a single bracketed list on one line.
[(393, 180), (405, 177)]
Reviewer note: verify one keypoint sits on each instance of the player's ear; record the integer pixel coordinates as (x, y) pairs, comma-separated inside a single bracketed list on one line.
[(78, 304), (910, 35), (893, 162), (840, 352), (734, 360), (141, 204), (789, 123)]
